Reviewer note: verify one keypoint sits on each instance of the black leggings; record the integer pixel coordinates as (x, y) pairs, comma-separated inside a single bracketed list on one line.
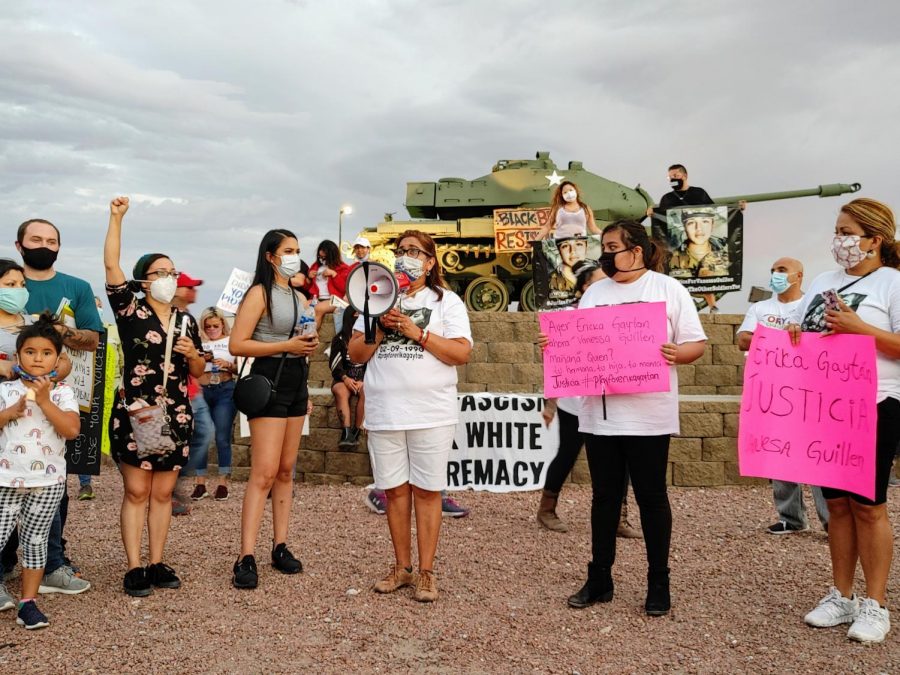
[(611, 459), (570, 442)]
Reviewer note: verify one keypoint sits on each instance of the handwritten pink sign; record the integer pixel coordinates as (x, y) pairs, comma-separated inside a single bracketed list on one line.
[(808, 412), (611, 350)]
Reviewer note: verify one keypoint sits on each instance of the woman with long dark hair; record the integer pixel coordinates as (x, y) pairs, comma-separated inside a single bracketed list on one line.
[(629, 433), (149, 327), (569, 215), (859, 528), (264, 329), (411, 410), (327, 279)]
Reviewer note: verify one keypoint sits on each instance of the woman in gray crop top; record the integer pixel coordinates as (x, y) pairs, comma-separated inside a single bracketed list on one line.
[(264, 329), (569, 216)]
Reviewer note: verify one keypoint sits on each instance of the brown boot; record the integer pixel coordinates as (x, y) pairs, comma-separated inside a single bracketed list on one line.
[(625, 530), (546, 514)]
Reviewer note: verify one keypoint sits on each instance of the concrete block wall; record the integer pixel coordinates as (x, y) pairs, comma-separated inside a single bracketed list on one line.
[(505, 359)]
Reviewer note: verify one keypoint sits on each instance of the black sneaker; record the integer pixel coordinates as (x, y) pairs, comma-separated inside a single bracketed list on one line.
[(137, 582), (782, 527), (162, 576), (31, 617), (245, 574), (284, 561)]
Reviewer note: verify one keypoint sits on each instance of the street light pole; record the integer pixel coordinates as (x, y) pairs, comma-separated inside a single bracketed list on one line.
[(344, 209)]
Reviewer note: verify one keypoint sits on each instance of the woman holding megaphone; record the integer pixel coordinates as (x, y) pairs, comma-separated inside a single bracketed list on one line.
[(411, 410)]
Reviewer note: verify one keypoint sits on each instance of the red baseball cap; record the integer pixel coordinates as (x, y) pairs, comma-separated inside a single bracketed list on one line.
[(187, 281)]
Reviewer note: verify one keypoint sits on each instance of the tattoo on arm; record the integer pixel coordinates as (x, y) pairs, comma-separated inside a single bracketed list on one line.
[(82, 340)]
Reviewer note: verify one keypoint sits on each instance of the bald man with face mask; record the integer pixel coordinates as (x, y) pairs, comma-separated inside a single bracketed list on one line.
[(785, 281)]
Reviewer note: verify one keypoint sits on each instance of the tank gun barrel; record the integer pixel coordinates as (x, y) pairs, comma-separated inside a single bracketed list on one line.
[(829, 190)]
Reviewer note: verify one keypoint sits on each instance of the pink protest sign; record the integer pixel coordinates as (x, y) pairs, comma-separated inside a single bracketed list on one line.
[(808, 412), (611, 350)]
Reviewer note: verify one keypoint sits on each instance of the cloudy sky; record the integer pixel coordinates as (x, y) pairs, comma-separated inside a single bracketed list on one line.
[(223, 119)]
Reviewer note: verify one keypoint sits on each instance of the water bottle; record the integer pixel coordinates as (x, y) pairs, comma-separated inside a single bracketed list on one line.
[(214, 377), (306, 322)]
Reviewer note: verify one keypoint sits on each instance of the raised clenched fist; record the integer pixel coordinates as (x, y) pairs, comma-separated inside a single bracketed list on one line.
[(118, 206)]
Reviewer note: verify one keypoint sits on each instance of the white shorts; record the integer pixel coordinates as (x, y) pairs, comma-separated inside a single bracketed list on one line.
[(414, 456)]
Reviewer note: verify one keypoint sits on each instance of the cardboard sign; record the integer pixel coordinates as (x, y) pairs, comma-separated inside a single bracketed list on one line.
[(605, 350), (808, 413), (236, 288), (515, 229), (81, 379), (501, 443)]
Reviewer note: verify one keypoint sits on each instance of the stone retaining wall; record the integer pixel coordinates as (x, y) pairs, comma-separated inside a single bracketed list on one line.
[(505, 359)]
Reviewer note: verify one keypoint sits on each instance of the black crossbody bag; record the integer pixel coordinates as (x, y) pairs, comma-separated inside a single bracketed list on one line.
[(255, 392)]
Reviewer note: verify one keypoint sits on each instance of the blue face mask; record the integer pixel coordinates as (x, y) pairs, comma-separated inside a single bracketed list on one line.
[(779, 282), (17, 369), (13, 300)]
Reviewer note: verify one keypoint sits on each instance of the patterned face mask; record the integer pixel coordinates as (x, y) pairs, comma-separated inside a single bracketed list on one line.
[(846, 250)]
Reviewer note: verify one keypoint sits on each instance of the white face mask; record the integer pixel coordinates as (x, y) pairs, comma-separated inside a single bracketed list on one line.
[(570, 196), (846, 250), (163, 290), (290, 265)]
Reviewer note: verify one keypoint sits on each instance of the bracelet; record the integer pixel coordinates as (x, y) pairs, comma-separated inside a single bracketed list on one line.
[(425, 336)]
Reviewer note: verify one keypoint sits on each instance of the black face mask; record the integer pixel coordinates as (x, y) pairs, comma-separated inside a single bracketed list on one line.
[(608, 262), (41, 258), (676, 183)]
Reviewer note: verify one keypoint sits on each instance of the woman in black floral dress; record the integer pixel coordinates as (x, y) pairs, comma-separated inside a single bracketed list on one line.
[(143, 324)]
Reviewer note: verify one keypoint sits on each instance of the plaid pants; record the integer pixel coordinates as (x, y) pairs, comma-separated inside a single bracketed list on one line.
[(33, 510)]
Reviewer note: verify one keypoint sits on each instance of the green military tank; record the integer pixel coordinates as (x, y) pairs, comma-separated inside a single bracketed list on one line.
[(459, 214)]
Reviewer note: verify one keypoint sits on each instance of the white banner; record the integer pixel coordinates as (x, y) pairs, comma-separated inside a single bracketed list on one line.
[(501, 443), (238, 284)]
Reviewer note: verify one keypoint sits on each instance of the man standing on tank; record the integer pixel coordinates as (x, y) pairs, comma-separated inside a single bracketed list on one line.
[(38, 242)]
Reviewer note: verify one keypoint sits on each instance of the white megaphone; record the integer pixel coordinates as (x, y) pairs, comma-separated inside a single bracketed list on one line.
[(372, 290)]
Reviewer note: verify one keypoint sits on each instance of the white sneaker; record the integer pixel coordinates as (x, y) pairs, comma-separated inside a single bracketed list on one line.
[(872, 624), (833, 610)]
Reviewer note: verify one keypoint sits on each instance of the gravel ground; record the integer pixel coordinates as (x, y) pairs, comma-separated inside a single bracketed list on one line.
[(739, 596)]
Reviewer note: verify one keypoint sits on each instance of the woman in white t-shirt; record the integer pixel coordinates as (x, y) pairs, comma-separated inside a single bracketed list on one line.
[(411, 409), (630, 432), (868, 286)]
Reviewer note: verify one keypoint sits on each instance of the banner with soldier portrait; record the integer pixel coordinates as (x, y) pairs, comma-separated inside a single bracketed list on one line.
[(556, 264), (705, 246)]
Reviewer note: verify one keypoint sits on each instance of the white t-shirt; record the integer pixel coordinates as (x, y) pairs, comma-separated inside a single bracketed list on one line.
[(652, 414), (406, 386), (875, 298), (570, 404), (771, 313), (322, 283), (219, 350), (32, 454)]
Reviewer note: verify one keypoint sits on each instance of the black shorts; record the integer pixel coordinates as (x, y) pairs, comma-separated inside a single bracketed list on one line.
[(291, 395), (887, 435)]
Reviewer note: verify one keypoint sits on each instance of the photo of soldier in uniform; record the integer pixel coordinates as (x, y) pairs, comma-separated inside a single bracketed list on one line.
[(705, 247), (555, 262)]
